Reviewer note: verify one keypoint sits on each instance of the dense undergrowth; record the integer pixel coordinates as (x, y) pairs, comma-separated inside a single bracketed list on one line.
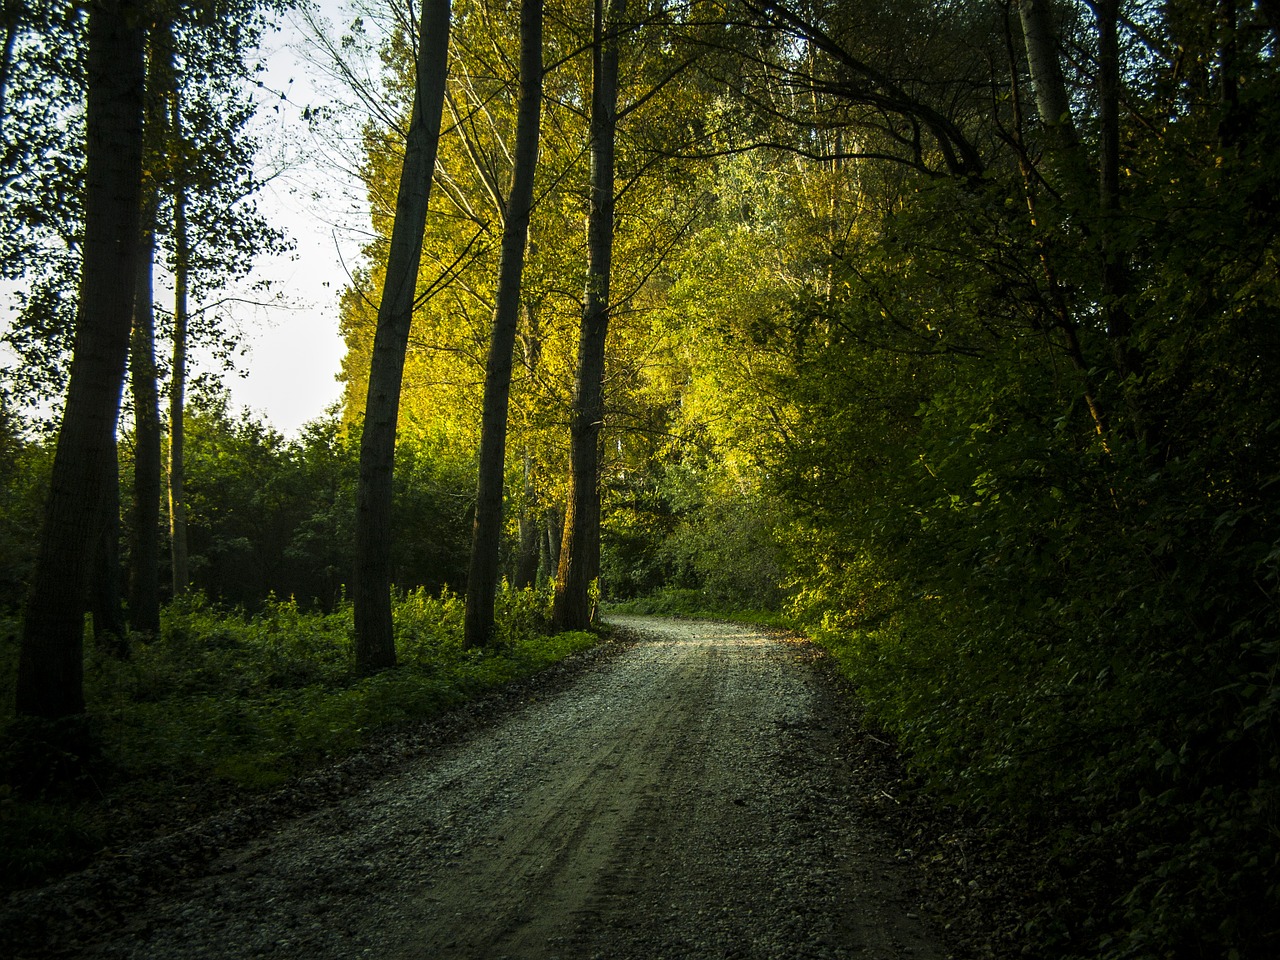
[(694, 603), (229, 703)]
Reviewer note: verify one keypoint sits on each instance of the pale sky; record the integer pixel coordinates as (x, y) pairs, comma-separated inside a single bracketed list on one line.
[(295, 351), (294, 347)]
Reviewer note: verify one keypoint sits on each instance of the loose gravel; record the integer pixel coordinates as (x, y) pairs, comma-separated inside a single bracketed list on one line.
[(695, 795)]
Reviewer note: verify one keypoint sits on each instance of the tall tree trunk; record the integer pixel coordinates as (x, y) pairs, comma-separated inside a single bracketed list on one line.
[(148, 479), (1044, 59), (110, 634), (1115, 267), (50, 666), (374, 640), (1228, 22), (580, 549), (144, 575), (1050, 87), (12, 26), (482, 579), (526, 572), (531, 525), (178, 389), (1041, 43), (554, 518)]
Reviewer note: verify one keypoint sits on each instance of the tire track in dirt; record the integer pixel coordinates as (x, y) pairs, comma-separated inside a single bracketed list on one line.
[(682, 799)]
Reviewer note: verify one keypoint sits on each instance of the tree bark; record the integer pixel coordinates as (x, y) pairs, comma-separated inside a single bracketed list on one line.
[(580, 549), (374, 640), (110, 634), (531, 525), (178, 543), (554, 518), (1046, 71), (51, 668), (482, 579), (148, 463), (526, 572), (144, 575), (12, 26), (1115, 266)]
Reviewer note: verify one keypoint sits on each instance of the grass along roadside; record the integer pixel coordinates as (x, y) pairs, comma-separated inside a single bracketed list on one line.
[(229, 703)]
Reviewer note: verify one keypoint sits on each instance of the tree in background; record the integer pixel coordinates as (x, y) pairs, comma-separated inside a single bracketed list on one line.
[(451, 332), (375, 643), (213, 227), (580, 549), (51, 667), (43, 169), (197, 57), (482, 579), (144, 374), (1014, 423)]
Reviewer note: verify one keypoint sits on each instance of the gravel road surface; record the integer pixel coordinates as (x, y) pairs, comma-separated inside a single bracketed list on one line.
[(691, 797)]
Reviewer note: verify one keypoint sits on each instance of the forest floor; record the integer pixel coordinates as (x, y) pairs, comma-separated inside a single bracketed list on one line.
[(698, 790)]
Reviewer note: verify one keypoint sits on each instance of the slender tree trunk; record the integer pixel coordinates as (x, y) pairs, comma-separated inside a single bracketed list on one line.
[(531, 525), (178, 543), (1046, 72), (50, 667), (1107, 15), (482, 579), (374, 641), (144, 575), (580, 549), (1115, 266), (554, 518), (110, 634), (1229, 127), (148, 464), (12, 26), (526, 572)]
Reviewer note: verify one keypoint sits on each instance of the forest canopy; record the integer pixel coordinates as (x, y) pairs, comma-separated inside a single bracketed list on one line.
[(947, 332)]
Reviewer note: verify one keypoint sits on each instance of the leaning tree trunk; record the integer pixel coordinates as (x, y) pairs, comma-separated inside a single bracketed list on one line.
[(50, 666), (374, 641), (482, 579), (580, 550)]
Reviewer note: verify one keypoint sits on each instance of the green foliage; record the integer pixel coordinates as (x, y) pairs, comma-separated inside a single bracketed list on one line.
[(230, 700), (274, 516), (44, 839), (1070, 631), (696, 604), (24, 479), (729, 546), (213, 158), (668, 601)]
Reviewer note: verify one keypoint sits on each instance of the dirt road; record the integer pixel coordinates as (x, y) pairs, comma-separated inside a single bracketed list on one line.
[(690, 797)]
